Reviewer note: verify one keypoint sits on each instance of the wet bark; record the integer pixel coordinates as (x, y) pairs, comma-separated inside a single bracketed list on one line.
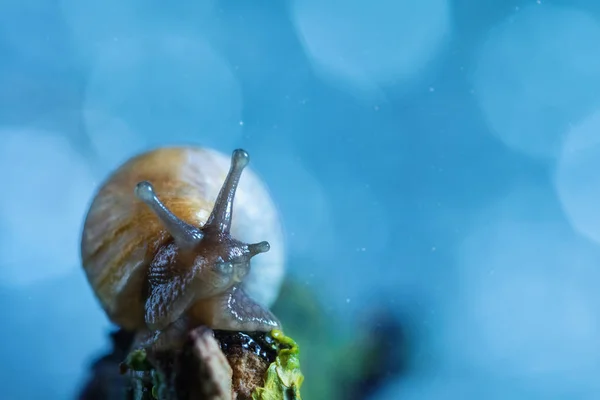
[(212, 365)]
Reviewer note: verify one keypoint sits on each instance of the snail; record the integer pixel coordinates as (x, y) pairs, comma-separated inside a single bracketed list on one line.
[(162, 242)]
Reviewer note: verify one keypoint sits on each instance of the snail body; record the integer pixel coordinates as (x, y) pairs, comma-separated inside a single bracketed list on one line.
[(162, 242)]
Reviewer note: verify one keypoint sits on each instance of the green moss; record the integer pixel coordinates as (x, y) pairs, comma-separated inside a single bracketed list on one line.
[(137, 361), (282, 381), (283, 378)]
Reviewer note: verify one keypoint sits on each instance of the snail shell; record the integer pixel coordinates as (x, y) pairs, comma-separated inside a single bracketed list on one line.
[(159, 242)]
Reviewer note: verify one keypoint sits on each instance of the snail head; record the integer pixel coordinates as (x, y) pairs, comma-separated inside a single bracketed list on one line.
[(210, 248)]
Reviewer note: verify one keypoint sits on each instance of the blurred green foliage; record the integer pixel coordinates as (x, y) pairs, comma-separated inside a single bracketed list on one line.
[(335, 362)]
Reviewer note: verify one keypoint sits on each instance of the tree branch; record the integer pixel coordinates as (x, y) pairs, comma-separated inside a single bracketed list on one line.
[(211, 365)]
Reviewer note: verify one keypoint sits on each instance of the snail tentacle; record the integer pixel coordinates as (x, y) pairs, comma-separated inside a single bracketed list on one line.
[(220, 217), (185, 235), (257, 248)]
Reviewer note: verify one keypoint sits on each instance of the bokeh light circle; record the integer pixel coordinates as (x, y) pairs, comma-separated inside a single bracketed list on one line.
[(364, 44), (91, 24), (527, 294), (111, 139), (50, 185), (169, 87), (536, 73), (578, 177)]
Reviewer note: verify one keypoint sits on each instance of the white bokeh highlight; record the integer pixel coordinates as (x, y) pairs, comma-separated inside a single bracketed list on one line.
[(111, 139), (363, 45), (527, 296), (91, 24), (577, 177), (105, 141), (168, 87), (49, 186), (536, 73)]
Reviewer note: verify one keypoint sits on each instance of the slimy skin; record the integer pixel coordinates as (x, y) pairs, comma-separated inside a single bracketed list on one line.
[(203, 267), (154, 265)]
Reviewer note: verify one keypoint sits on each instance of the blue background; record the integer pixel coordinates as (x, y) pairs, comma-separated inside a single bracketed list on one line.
[(439, 157)]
